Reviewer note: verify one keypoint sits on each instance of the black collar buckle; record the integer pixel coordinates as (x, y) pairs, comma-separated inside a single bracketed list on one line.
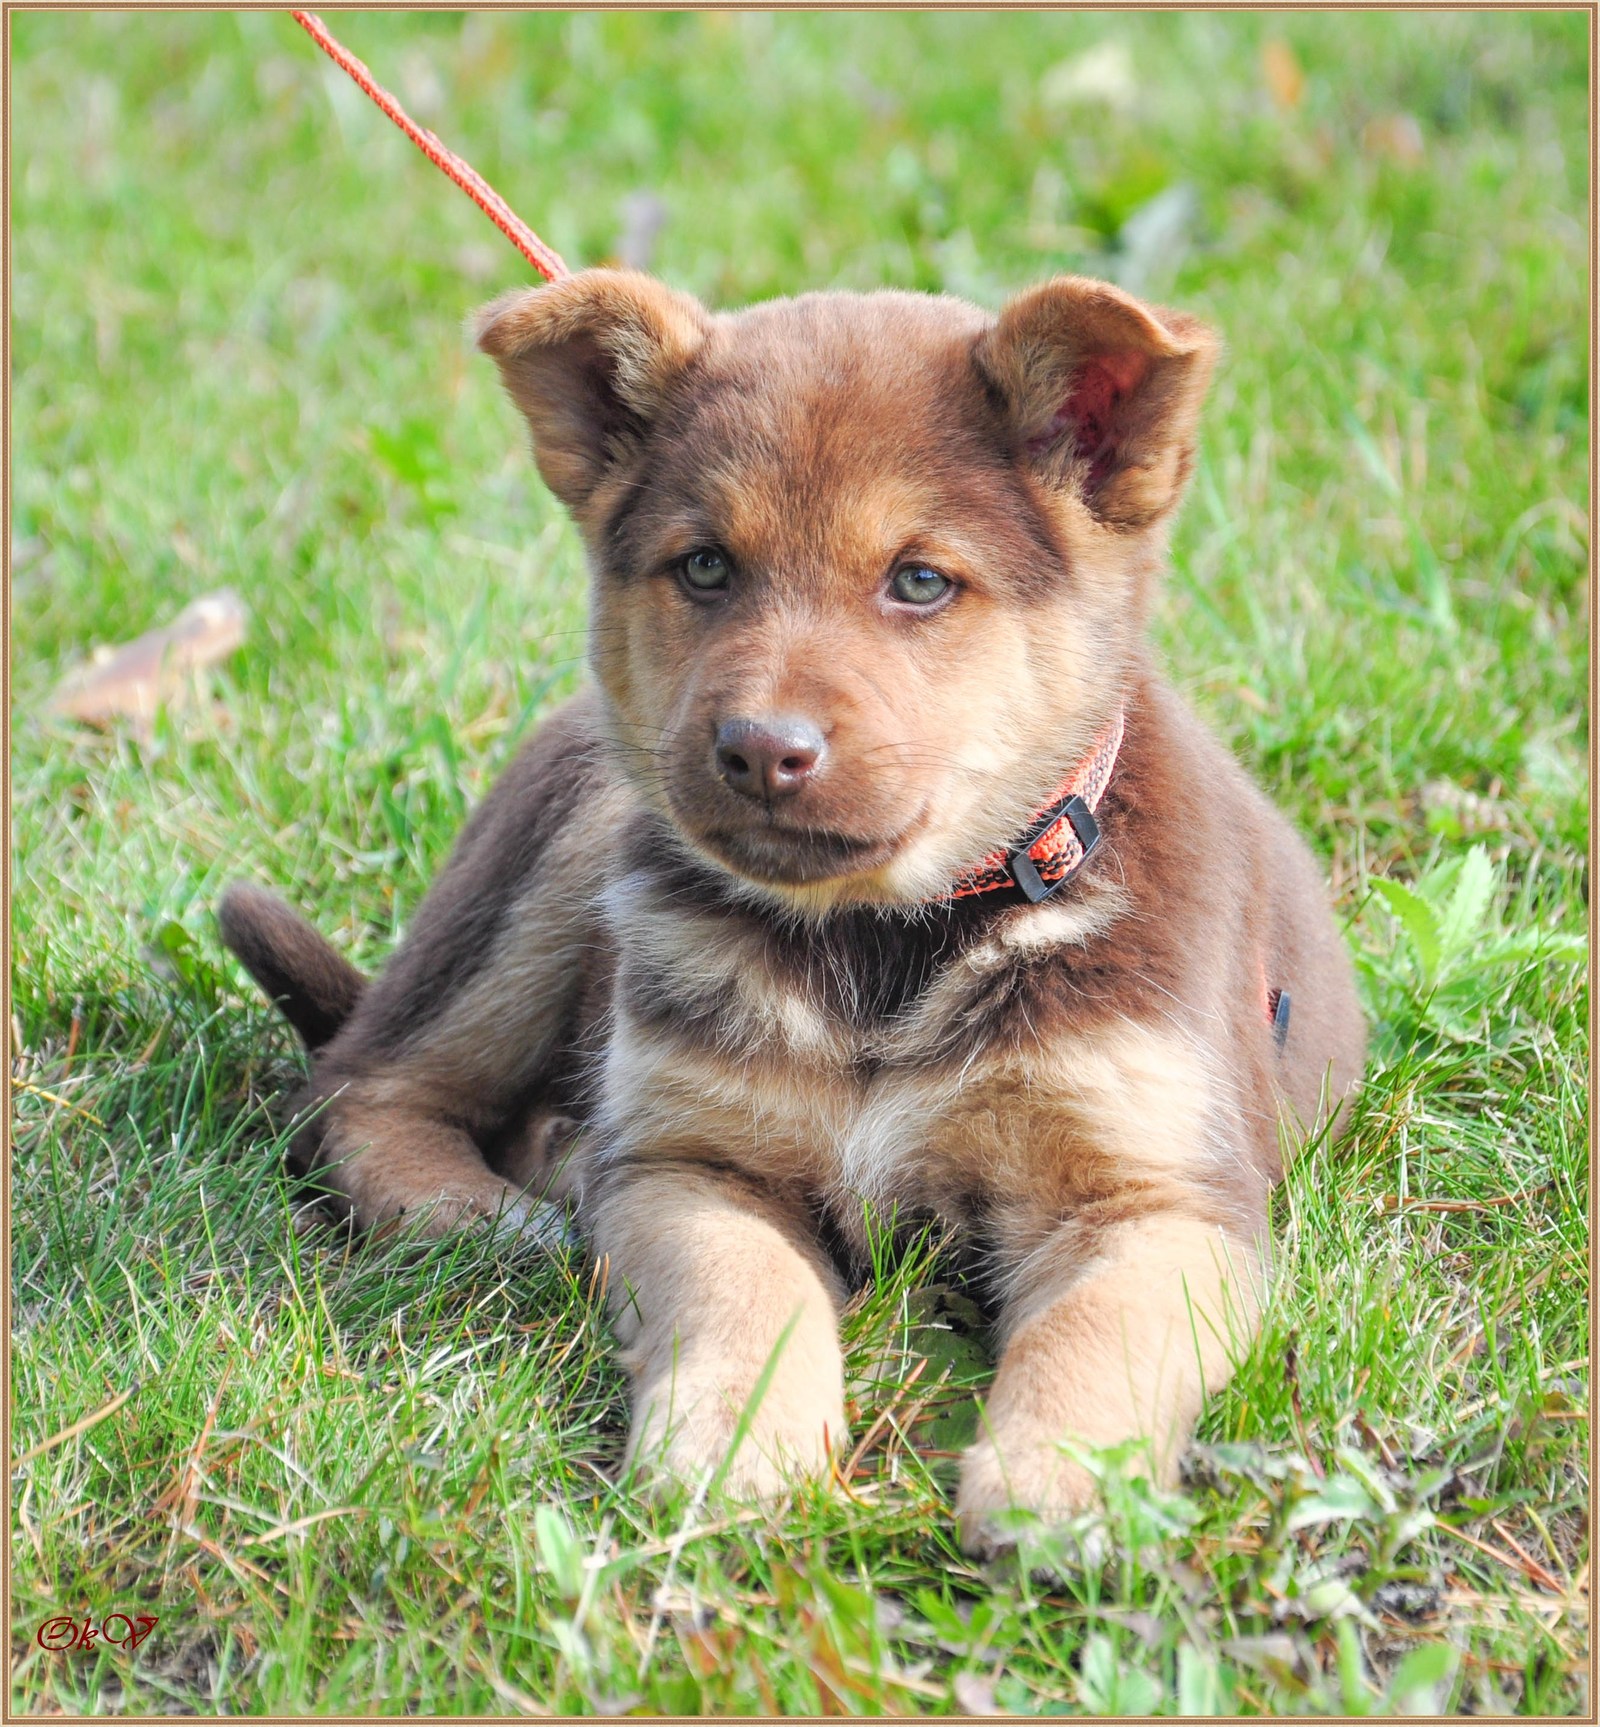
[(1025, 873)]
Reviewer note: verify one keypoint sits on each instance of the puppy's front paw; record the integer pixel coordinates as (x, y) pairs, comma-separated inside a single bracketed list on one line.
[(692, 1434), (1005, 1479)]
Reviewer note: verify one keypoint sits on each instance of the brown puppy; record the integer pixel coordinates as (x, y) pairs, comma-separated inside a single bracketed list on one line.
[(738, 937)]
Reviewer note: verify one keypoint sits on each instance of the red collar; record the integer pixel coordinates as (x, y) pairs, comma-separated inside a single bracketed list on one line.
[(1060, 837)]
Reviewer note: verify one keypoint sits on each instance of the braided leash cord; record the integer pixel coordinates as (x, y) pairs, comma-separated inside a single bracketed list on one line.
[(548, 263)]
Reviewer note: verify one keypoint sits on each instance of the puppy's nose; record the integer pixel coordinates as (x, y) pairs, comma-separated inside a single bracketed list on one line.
[(768, 758)]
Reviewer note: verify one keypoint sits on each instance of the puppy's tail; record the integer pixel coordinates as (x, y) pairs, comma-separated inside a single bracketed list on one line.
[(315, 987)]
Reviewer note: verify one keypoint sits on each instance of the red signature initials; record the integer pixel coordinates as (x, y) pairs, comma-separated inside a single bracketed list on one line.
[(124, 1631)]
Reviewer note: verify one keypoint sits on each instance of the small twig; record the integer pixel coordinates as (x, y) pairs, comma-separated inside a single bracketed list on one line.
[(234, 1562), (1530, 1568), (519, 1700), (1373, 1437), (73, 1034), (872, 1432), (1404, 1202), (82, 1425), (841, 1483), (183, 1495), (280, 1530), (27, 1522), (1535, 1569), (55, 1097), (659, 1549)]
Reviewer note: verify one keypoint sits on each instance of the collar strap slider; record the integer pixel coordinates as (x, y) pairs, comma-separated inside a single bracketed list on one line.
[(1025, 872), (1059, 839)]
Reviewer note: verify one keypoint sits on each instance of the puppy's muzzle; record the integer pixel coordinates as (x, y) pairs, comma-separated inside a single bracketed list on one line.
[(769, 758)]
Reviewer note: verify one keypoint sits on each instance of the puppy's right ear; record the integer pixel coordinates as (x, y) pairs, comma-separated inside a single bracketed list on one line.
[(589, 361)]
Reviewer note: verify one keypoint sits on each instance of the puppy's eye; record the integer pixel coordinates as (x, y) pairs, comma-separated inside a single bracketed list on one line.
[(706, 571), (917, 585)]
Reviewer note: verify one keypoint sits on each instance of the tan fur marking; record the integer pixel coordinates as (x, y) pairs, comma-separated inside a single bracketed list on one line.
[(1066, 922), (1124, 1348), (660, 1097), (1147, 1097), (703, 958), (708, 1291)]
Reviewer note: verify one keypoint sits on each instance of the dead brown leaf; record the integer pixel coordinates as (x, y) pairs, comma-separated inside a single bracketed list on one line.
[(131, 682), (1397, 136), (1282, 72)]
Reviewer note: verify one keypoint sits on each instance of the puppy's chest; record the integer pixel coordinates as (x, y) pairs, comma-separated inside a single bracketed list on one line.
[(856, 1067)]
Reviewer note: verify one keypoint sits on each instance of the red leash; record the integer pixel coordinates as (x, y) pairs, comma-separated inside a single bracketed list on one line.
[(548, 263)]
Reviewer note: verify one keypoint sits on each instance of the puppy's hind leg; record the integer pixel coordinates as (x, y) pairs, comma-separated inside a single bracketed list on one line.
[(400, 1168), (432, 1176), (542, 1157), (435, 1060)]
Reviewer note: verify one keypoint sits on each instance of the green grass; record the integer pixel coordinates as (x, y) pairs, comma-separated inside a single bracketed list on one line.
[(355, 1480)]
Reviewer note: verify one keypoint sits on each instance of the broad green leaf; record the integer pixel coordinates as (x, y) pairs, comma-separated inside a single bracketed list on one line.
[(1106, 1686), (1137, 1692), (173, 947), (1355, 1693), (1515, 947), (1437, 885), (1337, 1499), (1365, 1471), (559, 1549), (1202, 1688), (1463, 918), (1418, 919), (1416, 1685), (1321, 1593)]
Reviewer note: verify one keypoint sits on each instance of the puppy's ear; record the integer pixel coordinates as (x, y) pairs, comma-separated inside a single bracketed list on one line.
[(1104, 394), (589, 361)]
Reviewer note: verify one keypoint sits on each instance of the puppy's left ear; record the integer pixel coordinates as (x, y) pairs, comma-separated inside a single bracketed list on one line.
[(1104, 393)]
